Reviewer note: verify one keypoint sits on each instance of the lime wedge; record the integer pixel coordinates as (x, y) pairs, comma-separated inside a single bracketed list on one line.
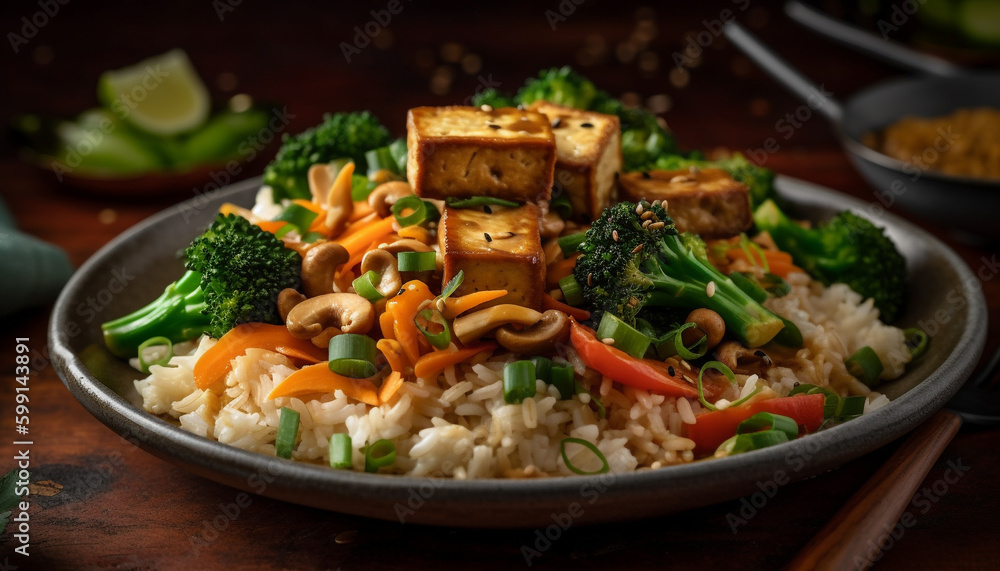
[(162, 95)]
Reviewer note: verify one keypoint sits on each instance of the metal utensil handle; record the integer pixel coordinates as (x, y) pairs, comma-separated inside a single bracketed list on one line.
[(781, 70), (868, 43), (851, 539)]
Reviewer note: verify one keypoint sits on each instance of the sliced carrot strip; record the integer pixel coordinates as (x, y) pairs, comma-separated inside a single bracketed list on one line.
[(319, 379), (213, 366), (271, 226), (404, 309), (432, 364), (385, 322), (455, 306), (358, 242), (393, 353), (390, 386), (558, 270), (549, 302), (361, 209)]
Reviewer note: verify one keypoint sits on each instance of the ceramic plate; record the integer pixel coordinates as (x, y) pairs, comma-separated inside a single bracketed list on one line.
[(135, 267)]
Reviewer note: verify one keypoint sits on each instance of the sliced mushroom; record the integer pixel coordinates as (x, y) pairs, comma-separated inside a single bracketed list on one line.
[(472, 327), (707, 323), (551, 225), (319, 264), (537, 339), (384, 264), (287, 299), (743, 360), (406, 245), (345, 312), (334, 193), (386, 194)]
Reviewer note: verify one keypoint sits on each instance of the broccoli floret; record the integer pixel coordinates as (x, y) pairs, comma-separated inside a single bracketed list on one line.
[(759, 180), (490, 96), (627, 267), (559, 85), (339, 136), (235, 271), (847, 249)]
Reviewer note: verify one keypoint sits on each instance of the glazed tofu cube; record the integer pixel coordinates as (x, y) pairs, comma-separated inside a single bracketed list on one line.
[(464, 152), (707, 202), (588, 155), (497, 248)]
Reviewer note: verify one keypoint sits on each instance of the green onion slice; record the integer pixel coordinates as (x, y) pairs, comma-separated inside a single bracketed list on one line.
[(627, 338), (718, 366), (589, 446), (381, 159), (518, 381), (543, 368), (434, 327), (311, 237), (288, 431), (340, 452), (562, 206), (298, 215), (284, 230), (767, 421), (865, 365), (162, 361), (571, 243), (696, 351), (563, 378), (352, 355), (416, 261), (571, 290), (366, 285), (851, 407), (452, 285), (775, 285), (790, 335), (753, 441), (361, 187), (399, 153), (380, 454), (746, 282), (916, 341), (475, 201), (412, 203)]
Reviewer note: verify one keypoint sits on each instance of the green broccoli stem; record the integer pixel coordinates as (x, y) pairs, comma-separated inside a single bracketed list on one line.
[(178, 314), (744, 317)]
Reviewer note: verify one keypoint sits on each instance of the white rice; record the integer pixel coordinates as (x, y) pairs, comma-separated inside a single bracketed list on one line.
[(459, 425)]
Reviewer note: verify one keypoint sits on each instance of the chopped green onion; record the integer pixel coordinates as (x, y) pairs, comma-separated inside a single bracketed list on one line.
[(562, 206), (602, 412), (589, 446), (413, 203), (627, 338), (767, 421), (830, 405), (562, 377), (352, 355), (850, 407), (434, 327), (571, 290), (285, 230), (570, 244), (753, 441), (916, 341), (381, 159), (361, 187), (288, 431), (298, 215), (746, 282), (865, 365), (518, 381), (543, 368), (476, 201), (311, 237), (452, 285), (718, 366), (696, 351), (775, 285), (365, 285), (416, 261), (161, 361), (398, 151), (789, 335), (340, 452), (380, 454), (750, 248)]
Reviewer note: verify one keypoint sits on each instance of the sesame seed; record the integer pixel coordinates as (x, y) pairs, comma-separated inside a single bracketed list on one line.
[(614, 235), (590, 280), (608, 341), (710, 289), (586, 125), (487, 209), (647, 223), (647, 215), (440, 305), (494, 126), (486, 108), (637, 249), (671, 371), (646, 175), (657, 225), (638, 208), (488, 237)]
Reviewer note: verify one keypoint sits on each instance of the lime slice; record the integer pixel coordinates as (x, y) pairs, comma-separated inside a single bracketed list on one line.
[(162, 95)]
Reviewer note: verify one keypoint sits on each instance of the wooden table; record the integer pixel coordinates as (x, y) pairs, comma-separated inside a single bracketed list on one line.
[(98, 502)]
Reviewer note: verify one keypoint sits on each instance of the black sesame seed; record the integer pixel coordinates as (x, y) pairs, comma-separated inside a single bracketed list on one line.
[(488, 237), (557, 123), (586, 125), (400, 292), (492, 126), (646, 175), (670, 371), (487, 209)]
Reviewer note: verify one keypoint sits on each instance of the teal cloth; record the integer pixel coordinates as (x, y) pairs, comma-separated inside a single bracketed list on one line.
[(32, 272)]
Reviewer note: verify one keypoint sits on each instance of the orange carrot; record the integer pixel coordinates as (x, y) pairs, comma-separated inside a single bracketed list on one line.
[(385, 322), (213, 366), (432, 364), (404, 309), (455, 306), (390, 385), (359, 224), (393, 352), (271, 226), (320, 379), (230, 208), (359, 241), (417, 233), (778, 263), (549, 302), (560, 269)]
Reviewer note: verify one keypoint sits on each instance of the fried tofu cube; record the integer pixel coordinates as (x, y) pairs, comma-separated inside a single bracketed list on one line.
[(464, 152), (707, 202), (497, 248), (588, 156)]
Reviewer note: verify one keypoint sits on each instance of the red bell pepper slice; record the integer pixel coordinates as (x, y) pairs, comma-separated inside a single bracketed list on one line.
[(714, 428)]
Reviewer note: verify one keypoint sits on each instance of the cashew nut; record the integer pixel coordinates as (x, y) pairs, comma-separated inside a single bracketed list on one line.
[(386, 194), (319, 264), (287, 299), (335, 193), (538, 339), (743, 360), (384, 264), (551, 225), (707, 323), (406, 245), (346, 312), (470, 328)]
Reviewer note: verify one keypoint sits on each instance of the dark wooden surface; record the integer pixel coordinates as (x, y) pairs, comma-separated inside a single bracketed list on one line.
[(98, 502)]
